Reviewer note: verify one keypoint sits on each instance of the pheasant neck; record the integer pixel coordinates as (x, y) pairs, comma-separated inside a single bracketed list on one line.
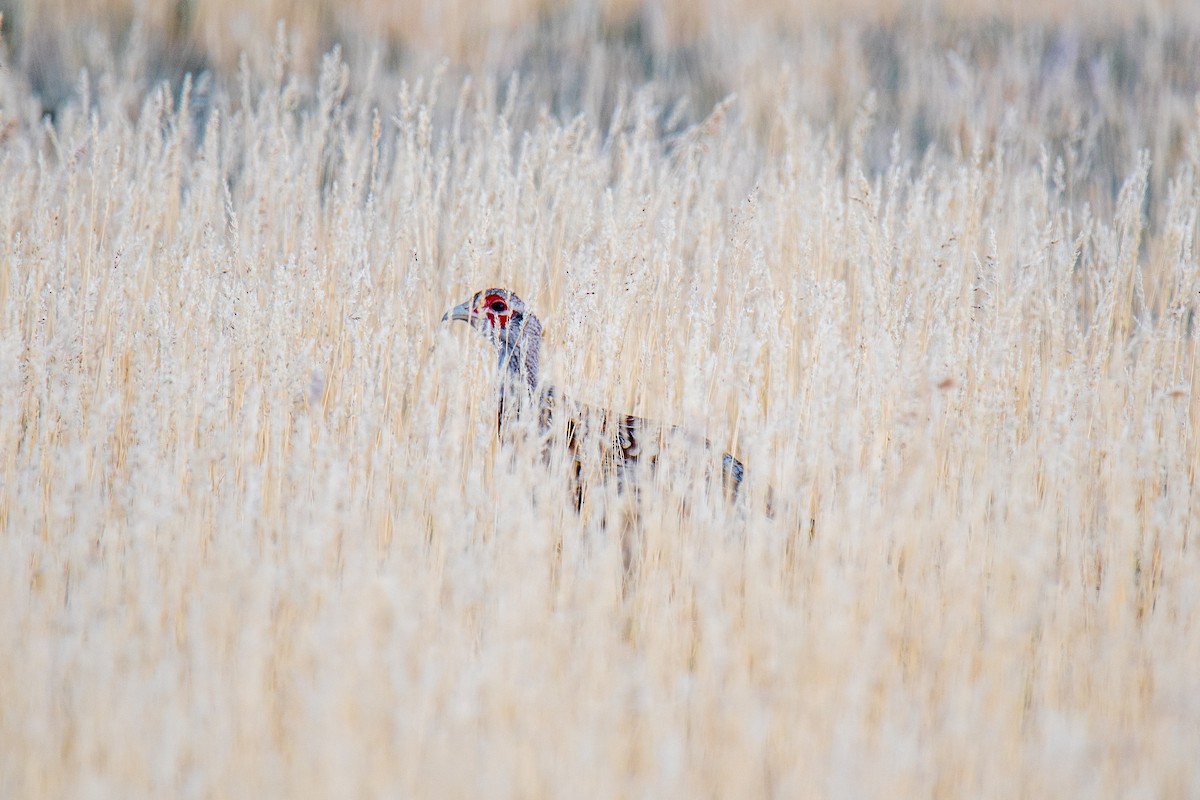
[(519, 359)]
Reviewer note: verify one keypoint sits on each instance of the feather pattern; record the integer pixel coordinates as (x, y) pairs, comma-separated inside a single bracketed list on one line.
[(598, 440)]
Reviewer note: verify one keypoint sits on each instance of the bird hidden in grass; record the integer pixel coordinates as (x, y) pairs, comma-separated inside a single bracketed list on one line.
[(619, 443)]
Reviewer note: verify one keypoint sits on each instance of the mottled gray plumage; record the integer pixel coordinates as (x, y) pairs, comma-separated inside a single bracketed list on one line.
[(623, 440)]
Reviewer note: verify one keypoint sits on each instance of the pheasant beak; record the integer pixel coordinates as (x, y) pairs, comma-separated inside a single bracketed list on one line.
[(461, 312)]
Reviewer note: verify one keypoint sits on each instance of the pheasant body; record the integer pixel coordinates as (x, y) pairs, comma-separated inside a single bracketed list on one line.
[(624, 440)]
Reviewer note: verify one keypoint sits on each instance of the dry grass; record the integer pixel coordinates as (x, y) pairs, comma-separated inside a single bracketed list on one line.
[(934, 279)]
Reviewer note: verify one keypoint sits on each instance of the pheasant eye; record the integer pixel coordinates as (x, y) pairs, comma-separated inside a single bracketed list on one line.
[(498, 305)]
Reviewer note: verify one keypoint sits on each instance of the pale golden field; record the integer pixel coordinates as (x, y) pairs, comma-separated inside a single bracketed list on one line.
[(932, 275)]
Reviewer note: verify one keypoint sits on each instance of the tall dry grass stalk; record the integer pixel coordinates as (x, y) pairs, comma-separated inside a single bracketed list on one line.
[(934, 281)]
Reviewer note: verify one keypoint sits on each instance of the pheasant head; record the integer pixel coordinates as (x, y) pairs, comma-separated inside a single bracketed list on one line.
[(504, 320)]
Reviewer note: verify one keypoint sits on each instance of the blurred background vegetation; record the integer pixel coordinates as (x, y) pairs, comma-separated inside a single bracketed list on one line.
[(1099, 81)]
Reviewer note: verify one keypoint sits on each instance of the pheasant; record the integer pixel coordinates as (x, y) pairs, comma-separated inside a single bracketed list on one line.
[(624, 441)]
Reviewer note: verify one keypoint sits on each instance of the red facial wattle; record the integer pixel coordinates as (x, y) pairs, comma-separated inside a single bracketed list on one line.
[(496, 309)]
